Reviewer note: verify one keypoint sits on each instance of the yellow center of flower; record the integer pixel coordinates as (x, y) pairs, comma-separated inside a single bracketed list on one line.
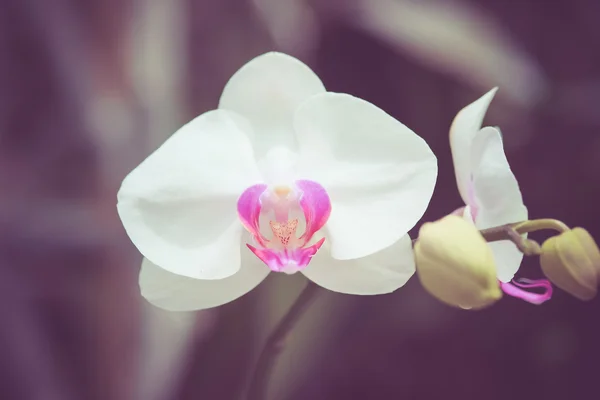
[(283, 232), (282, 191)]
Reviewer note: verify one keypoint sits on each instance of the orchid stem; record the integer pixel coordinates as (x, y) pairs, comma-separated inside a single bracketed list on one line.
[(514, 231), (508, 232), (540, 224), (274, 345)]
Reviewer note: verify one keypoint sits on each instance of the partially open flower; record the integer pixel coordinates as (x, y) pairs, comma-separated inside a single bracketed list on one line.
[(485, 181), (571, 261), (491, 192), (455, 264)]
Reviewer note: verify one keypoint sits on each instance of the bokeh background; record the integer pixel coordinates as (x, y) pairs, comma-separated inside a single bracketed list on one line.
[(89, 87)]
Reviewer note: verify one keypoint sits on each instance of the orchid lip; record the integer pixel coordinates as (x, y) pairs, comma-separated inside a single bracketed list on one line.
[(285, 250), (516, 289)]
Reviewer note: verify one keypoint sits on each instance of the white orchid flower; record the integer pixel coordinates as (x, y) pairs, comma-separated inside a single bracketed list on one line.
[(490, 191), (286, 177)]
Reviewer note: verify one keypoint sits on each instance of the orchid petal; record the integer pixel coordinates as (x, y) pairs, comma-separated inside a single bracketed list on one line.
[(463, 131), (180, 293), (508, 259), (498, 197), (179, 205), (266, 91), (279, 166), (495, 187), (378, 173), (379, 273)]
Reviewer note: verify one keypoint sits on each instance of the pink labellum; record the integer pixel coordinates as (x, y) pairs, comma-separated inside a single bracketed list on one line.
[(285, 251), (515, 289), (287, 260), (249, 208), (316, 207)]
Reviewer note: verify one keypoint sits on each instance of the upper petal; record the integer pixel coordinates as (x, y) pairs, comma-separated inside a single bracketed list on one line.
[(266, 91), (495, 187), (378, 173), (498, 197), (179, 205), (382, 272), (463, 131), (180, 293)]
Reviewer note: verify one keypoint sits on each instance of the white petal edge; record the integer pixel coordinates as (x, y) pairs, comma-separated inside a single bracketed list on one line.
[(179, 205), (508, 259), (463, 131), (495, 187), (379, 273), (180, 293), (378, 173), (498, 197), (267, 90)]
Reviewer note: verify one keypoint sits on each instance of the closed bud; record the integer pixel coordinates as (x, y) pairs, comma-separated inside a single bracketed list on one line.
[(455, 264), (571, 261)]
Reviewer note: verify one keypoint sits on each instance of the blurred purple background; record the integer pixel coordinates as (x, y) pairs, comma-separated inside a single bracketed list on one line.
[(89, 87)]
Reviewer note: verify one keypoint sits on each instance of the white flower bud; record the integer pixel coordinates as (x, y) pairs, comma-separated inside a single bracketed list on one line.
[(455, 264), (571, 261)]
